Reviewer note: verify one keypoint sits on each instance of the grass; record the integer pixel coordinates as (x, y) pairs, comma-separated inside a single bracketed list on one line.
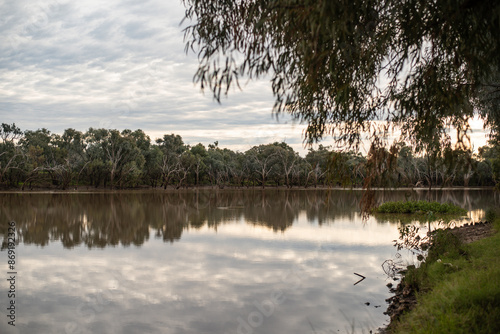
[(420, 207), (458, 294)]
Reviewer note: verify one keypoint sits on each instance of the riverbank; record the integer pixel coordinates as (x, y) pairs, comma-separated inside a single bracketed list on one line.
[(456, 289), (91, 189)]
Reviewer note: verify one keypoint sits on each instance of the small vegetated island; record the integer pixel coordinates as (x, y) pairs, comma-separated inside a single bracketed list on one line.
[(455, 288), (420, 207)]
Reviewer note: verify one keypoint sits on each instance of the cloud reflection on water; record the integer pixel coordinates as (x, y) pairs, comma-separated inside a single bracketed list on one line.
[(304, 246)]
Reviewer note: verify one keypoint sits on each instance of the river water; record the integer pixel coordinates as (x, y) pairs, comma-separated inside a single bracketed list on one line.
[(203, 261)]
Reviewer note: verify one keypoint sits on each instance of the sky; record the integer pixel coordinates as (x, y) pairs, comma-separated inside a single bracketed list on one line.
[(121, 64)]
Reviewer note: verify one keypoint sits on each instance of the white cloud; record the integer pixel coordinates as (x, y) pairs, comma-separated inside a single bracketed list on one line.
[(121, 64), (209, 280)]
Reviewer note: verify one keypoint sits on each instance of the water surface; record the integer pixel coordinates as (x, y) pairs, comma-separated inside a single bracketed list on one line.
[(206, 261)]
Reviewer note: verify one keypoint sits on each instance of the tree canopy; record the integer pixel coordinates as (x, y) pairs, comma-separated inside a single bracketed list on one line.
[(104, 158), (341, 66)]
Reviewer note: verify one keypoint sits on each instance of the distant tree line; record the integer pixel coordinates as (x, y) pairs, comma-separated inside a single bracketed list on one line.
[(103, 158)]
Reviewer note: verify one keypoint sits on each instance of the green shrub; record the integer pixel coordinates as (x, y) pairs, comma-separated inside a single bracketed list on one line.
[(421, 207), (491, 215)]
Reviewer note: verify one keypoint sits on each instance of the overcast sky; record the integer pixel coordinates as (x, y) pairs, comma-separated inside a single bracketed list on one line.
[(121, 64)]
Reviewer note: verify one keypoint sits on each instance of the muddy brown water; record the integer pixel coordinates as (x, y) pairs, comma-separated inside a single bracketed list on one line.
[(203, 261)]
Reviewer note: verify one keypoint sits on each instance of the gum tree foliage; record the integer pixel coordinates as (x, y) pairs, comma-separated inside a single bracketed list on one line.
[(490, 161), (199, 152), (9, 154), (340, 65), (153, 159), (318, 164), (116, 157), (348, 168), (127, 159), (45, 157), (172, 147), (263, 161), (287, 161)]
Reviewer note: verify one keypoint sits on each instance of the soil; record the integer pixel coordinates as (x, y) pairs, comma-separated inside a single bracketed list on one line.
[(472, 232), (404, 298)]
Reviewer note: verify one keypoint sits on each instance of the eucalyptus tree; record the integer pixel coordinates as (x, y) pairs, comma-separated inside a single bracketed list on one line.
[(200, 154), (97, 168), (240, 171), (114, 152), (407, 169), (459, 165), (220, 164), (10, 160), (172, 144), (139, 144), (339, 66), (153, 160), (10, 154), (230, 163), (115, 155), (483, 174), (40, 138), (46, 162), (186, 162), (318, 163), (237, 169), (169, 168), (172, 147), (490, 154), (134, 144), (73, 142), (356, 163), (346, 168), (262, 161), (139, 137), (287, 159), (300, 172), (9, 133), (59, 164)]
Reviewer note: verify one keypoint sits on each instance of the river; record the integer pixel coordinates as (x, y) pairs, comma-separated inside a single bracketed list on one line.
[(203, 261)]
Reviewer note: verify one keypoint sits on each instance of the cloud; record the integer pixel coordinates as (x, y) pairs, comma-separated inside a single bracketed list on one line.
[(122, 64), (194, 285)]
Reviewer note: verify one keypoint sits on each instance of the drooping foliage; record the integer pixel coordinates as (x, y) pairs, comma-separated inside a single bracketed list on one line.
[(342, 65)]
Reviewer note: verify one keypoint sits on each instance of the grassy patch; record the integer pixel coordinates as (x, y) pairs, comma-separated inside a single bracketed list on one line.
[(458, 288), (421, 207)]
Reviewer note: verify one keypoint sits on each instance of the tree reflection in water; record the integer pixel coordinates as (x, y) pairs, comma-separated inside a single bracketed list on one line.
[(97, 220)]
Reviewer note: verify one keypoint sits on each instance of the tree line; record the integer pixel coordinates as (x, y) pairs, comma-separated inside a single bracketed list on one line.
[(103, 158)]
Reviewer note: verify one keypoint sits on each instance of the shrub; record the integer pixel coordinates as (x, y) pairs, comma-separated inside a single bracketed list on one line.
[(491, 215), (421, 207)]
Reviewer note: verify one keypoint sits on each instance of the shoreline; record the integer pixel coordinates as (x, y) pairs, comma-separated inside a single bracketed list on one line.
[(405, 298), (90, 190)]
